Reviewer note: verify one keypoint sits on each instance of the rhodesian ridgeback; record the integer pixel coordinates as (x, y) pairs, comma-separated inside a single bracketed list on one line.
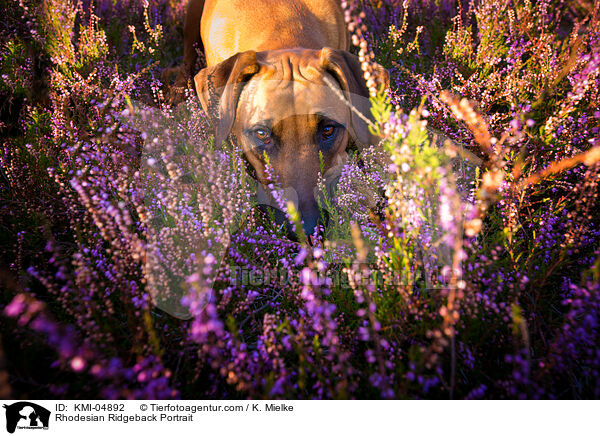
[(280, 80)]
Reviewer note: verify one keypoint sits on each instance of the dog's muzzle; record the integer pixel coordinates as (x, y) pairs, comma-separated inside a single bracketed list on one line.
[(330, 180)]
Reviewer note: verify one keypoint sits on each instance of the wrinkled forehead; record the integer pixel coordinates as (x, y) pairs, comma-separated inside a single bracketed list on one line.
[(287, 86)]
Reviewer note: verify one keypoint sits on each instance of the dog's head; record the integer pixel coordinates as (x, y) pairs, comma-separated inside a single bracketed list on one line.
[(281, 104)]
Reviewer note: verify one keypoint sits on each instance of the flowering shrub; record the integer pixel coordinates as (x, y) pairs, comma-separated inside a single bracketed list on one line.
[(461, 257)]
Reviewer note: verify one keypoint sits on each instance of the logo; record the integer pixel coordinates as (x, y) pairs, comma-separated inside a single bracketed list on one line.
[(26, 415)]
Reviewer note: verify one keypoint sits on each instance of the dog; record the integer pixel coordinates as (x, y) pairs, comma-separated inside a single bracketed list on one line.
[(268, 83)]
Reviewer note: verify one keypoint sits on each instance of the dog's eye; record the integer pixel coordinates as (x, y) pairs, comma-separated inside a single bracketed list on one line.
[(263, 135), (328, 132)]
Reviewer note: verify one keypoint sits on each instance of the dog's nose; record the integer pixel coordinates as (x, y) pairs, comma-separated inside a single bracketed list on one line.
[(311, 222)]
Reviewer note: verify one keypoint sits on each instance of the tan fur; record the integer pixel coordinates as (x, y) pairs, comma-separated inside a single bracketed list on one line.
[(231, 26)]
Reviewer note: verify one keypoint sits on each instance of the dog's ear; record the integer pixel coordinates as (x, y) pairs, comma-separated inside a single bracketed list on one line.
[(219, 88), (346, 69)]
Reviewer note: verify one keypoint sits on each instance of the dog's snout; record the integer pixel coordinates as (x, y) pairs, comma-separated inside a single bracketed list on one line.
[(309, 224), (313, 221)]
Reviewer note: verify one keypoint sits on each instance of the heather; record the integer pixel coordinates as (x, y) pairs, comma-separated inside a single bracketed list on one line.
[(461, 258)]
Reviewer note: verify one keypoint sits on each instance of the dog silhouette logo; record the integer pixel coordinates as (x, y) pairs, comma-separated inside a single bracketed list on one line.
[(26, 415)]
